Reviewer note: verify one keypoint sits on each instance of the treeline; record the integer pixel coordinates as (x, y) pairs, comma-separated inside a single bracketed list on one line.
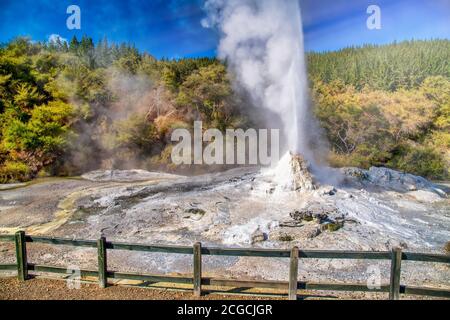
[(386, 105), (403, 65)]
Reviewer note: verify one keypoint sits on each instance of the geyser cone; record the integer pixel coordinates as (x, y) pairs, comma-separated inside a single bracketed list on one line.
[(293, 173), (302, 178)]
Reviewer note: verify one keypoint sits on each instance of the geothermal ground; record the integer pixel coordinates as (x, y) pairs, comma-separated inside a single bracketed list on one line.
[(369, 210)]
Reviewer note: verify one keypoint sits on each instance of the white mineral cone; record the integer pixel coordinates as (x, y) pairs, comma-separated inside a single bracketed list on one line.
[(292, 174)]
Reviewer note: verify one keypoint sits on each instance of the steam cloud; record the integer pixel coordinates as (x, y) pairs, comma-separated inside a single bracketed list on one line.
[(262, 42), (95, 146)]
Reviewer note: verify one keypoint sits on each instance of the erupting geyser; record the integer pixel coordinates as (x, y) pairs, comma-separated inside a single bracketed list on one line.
[(262, 42)]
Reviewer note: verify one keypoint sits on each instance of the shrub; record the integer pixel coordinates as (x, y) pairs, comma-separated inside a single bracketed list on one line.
[(423, 161), (14, 172)]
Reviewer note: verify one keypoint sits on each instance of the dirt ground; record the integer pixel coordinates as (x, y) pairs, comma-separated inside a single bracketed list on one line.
[(49, 289), (38, 288)]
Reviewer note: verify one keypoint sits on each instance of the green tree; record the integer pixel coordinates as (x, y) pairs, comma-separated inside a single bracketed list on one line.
[(44, 131), (208, 91)]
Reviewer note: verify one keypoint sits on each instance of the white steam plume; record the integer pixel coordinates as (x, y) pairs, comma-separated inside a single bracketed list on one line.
[(262, 42)]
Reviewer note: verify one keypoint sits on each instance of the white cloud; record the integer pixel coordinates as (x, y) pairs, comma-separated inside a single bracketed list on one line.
[(53, 38)]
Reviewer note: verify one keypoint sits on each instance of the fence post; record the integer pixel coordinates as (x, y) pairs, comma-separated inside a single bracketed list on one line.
[(293, 274), (102, 263), (396, 263), (198, 269), (21, 255)]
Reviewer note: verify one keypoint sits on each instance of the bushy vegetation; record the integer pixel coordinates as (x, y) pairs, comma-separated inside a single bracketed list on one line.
[(70, 107), (14, 172), (386, 106)]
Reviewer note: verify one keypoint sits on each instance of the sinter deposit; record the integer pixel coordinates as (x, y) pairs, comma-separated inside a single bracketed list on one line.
[(375, 209)]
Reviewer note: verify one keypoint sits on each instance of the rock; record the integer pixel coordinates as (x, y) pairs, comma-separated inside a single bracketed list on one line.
[(310, 234), (194, 214), (302, 178), (381, 175), (394, 180), (285, 237), (328, 190), (258, 236), (307, 215), (291, 224), (317, 212), (360, 174), (332, 226), (271, 190), (302, 215)]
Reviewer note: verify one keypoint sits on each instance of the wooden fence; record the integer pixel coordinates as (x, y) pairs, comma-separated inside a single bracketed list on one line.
[(394, 288)]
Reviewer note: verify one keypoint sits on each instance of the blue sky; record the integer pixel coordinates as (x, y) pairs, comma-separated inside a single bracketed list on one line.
[(171, 28)]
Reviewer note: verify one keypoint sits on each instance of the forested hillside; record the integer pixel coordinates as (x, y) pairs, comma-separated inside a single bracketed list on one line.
[(391, 67), (386, 105), (70, 107)]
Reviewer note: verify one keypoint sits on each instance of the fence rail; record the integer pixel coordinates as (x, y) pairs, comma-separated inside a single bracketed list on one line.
[(394, 288)]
